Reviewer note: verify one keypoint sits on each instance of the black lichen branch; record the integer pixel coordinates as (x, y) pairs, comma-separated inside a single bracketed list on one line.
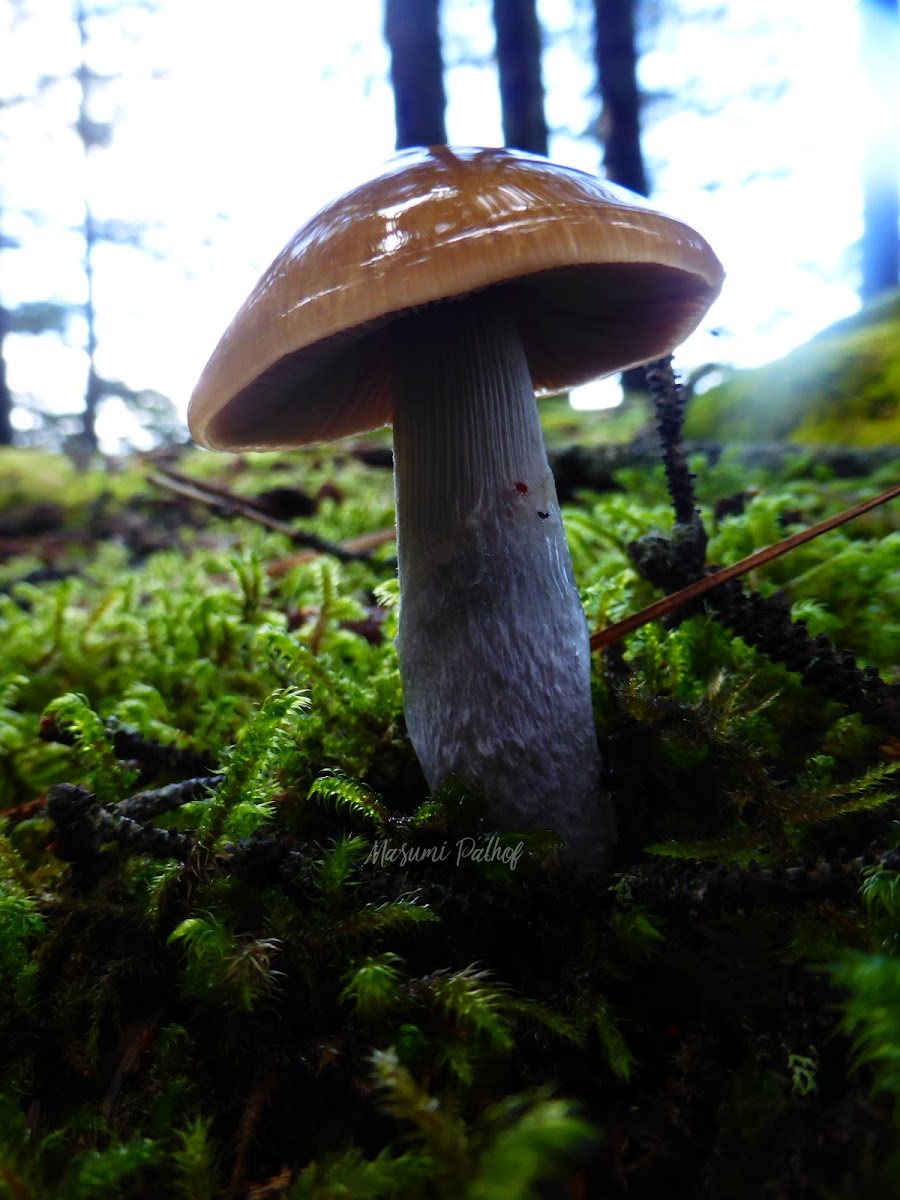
[(142, 806), (154, 758), (764, 622), (668, 407), (82, 827), (694, 889)]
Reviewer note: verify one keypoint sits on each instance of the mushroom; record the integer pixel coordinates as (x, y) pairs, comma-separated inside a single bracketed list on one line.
[(440, 295)]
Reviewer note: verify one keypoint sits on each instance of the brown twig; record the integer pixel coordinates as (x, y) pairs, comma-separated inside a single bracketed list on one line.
[(250, 1119), (216, 496), (365, 543), (661, 608)]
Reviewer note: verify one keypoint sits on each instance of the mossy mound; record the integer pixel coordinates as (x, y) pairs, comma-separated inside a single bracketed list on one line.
[(840, 388), (245, 956)]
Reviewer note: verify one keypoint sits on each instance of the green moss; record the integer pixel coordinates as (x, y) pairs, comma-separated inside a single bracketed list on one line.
[(841, 388), (237, 990)]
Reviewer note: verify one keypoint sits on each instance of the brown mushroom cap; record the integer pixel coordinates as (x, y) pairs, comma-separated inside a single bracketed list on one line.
[(598, 283)]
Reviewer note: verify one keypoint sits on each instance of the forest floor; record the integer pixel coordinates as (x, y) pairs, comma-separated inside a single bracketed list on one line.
[(217, 982)]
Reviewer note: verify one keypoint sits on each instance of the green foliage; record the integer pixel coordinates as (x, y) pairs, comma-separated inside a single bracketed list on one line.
[(440, 1131), (535, 1138), (524, 1140), (348, 1176), (245, 799), (637, 930), (30, 476), (203, 1025), (334, 868), (104, 772), (469, 1000), (195, 1159), (598, 1017), (374, 919), (871, 1015), (348, 795), (544, 1017), (841, 388), (223, 966), (103, 1174), (373, 986), (21, 924), (871, 979), (756, 1097), (816, 797), (880, 893), (803, 1073)]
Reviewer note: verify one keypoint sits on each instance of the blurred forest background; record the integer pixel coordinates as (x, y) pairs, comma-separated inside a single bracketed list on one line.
[(154, 154)]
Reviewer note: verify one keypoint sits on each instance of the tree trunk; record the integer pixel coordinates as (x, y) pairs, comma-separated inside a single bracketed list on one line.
[(93, 390), (615, 59), (6, 403), (519, 67), (881, 205), (412, 31)]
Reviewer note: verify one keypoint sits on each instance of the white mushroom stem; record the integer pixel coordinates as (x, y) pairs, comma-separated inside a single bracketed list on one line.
[(493, 643)]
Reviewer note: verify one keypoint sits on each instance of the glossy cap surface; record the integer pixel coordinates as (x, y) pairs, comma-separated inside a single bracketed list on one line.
[(598, 281)]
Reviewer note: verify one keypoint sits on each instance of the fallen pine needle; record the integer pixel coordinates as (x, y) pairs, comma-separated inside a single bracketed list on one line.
[(661, 608)]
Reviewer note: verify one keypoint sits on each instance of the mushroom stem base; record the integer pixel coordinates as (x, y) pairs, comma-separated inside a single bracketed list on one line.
[(493, 644)]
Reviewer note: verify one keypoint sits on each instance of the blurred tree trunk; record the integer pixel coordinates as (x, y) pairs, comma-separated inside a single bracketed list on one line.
[(90, 134), (94, 390), (6, 404), (519, 67), (615, 60), (412, 31), (880, 46)]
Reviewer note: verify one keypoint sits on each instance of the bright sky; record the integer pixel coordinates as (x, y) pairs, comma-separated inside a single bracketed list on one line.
[(259, 119)]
